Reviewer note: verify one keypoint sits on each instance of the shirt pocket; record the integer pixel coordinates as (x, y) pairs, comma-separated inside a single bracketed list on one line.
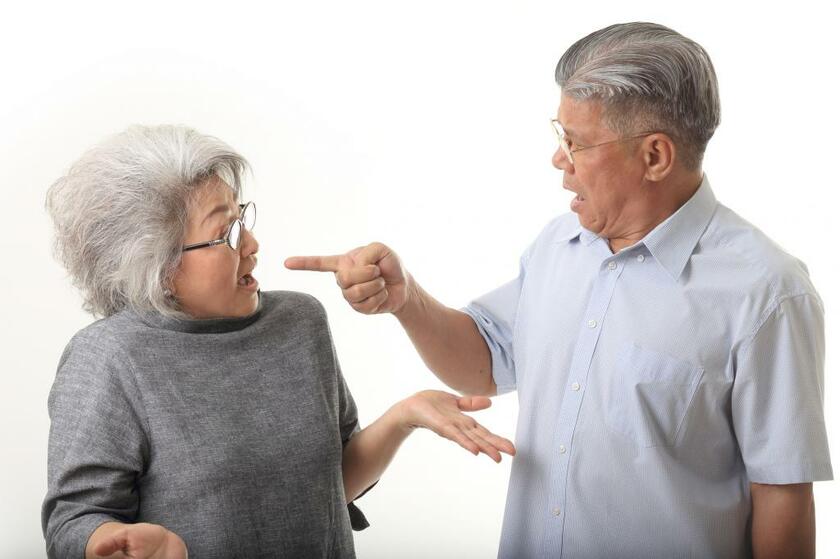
[(649, 395)]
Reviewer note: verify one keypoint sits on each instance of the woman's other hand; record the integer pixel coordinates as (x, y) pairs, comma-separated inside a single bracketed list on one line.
[(135, 541), (442, 413)]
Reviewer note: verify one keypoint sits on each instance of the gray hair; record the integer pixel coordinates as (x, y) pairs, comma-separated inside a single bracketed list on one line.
[(120, 213), (649, 78)]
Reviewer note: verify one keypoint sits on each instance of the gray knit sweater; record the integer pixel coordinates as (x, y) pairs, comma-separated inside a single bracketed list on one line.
[(228, 432)]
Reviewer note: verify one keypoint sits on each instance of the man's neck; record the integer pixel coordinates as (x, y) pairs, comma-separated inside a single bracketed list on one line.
[(673, 197)]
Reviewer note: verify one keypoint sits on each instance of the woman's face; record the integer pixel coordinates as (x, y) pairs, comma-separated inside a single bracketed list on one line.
[(209, 282)]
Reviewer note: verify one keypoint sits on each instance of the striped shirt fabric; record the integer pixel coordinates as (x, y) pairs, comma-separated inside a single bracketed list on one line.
[(654, 385)]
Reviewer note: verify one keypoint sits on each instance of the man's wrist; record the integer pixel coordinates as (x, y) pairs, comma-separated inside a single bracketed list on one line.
[(413, 301)]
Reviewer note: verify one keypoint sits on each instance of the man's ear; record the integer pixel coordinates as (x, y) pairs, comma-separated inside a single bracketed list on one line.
[(660, 154)]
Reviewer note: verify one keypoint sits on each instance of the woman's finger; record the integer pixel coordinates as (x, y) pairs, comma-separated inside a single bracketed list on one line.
[(115, 543), (456, 435), (483, 444), (503, 444), (473, 403)]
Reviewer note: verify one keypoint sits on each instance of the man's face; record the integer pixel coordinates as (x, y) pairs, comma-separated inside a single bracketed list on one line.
[(607, 179)]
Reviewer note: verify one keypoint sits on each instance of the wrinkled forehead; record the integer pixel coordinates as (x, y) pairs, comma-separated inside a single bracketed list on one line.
[(213, 198)]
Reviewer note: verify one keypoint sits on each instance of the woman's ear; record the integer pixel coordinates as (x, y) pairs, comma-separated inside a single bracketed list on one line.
[(660, 155)]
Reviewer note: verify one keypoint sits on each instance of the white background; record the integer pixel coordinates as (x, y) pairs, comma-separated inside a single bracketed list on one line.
[(423, 125)]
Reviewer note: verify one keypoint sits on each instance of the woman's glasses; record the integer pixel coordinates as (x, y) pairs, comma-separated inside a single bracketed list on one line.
[(247, 218)]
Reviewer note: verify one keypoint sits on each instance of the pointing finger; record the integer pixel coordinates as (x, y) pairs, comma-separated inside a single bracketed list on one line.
[(314, 263)]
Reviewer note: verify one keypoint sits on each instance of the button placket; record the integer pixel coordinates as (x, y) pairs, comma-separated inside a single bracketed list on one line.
[(596, 309)]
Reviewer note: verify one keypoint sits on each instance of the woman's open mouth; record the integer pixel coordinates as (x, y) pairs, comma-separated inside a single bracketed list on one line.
[(248, 282)]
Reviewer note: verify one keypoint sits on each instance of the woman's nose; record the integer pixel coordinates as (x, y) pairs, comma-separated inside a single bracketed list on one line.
[(249, 243)]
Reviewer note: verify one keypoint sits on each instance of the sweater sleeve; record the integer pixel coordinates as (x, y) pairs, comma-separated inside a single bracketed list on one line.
[(97, 446)]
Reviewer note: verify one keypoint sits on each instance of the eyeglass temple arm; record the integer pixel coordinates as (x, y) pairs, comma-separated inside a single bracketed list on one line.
[(202, 245)]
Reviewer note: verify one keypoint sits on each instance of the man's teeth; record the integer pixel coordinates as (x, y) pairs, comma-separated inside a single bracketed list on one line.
[(245, 280)]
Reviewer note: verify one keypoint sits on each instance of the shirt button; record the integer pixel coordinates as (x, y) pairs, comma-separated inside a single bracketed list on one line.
[(575, 386), (612, 265), (556, 512), (641, 258), (562, 449), (592, 324)]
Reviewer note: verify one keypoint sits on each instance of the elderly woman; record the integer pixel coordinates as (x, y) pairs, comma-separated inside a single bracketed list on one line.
[(201, 414)]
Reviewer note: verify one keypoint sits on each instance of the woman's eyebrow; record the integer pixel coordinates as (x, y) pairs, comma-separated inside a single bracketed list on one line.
[(221, 208)]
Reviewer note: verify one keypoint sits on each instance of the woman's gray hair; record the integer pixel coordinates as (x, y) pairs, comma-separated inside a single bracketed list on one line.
[(649, 78), (120, 213)]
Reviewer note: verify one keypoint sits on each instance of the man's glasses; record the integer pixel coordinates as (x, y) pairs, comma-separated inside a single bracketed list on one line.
[(566, 143), (247, 218)]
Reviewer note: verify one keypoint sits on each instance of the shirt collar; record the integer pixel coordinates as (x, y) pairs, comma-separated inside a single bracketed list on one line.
[(672, 241)]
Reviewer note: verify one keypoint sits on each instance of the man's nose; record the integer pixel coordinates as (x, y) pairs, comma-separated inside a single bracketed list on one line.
[(560, 161)]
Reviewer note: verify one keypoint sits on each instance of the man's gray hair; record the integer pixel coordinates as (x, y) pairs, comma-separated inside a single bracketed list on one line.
[(120, 213), (649, 78)]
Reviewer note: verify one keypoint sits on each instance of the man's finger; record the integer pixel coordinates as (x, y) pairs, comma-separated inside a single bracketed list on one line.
[(371, 254), (348, 277), (362, 291), (371, 304), (314, 263)]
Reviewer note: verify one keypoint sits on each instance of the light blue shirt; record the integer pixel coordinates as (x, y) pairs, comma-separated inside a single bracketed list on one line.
[(654, 385)]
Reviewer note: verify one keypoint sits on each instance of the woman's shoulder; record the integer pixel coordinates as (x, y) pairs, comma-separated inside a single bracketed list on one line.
[(292, 303), (105, 336)]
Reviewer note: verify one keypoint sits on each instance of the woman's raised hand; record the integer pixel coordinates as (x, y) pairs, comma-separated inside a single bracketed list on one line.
[(442, 413), (141, 541)]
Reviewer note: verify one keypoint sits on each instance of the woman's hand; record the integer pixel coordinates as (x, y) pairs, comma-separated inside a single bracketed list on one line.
[(138, 541), (442, 413)]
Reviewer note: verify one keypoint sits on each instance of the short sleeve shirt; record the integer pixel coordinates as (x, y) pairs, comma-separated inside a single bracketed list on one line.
[(654, 385)]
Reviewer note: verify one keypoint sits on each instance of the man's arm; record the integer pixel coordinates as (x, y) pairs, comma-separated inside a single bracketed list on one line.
[(783, 522), (449, 343), (373, 281)]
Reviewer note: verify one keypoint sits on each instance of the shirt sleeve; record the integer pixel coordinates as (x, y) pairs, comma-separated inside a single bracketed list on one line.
[(777, 396), (96, 450), (495, 316), (348, 420)]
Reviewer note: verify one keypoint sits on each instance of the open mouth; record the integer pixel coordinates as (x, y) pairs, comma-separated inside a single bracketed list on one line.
[(246, 280)]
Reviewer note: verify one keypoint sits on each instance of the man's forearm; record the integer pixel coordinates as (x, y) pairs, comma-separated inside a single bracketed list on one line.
[(448, 342), (783, 521)]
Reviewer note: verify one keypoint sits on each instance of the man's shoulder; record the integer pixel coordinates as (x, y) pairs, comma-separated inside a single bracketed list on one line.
[(753, 254)]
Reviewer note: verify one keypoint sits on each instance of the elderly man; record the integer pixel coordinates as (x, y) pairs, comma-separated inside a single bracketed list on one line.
[(667, 355)]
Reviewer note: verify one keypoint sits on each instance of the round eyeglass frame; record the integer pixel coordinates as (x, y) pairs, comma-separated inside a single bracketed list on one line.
[(247, 219)]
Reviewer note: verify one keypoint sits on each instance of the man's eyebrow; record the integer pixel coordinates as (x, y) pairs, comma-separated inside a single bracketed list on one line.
[(221, 208), (570, 132)]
